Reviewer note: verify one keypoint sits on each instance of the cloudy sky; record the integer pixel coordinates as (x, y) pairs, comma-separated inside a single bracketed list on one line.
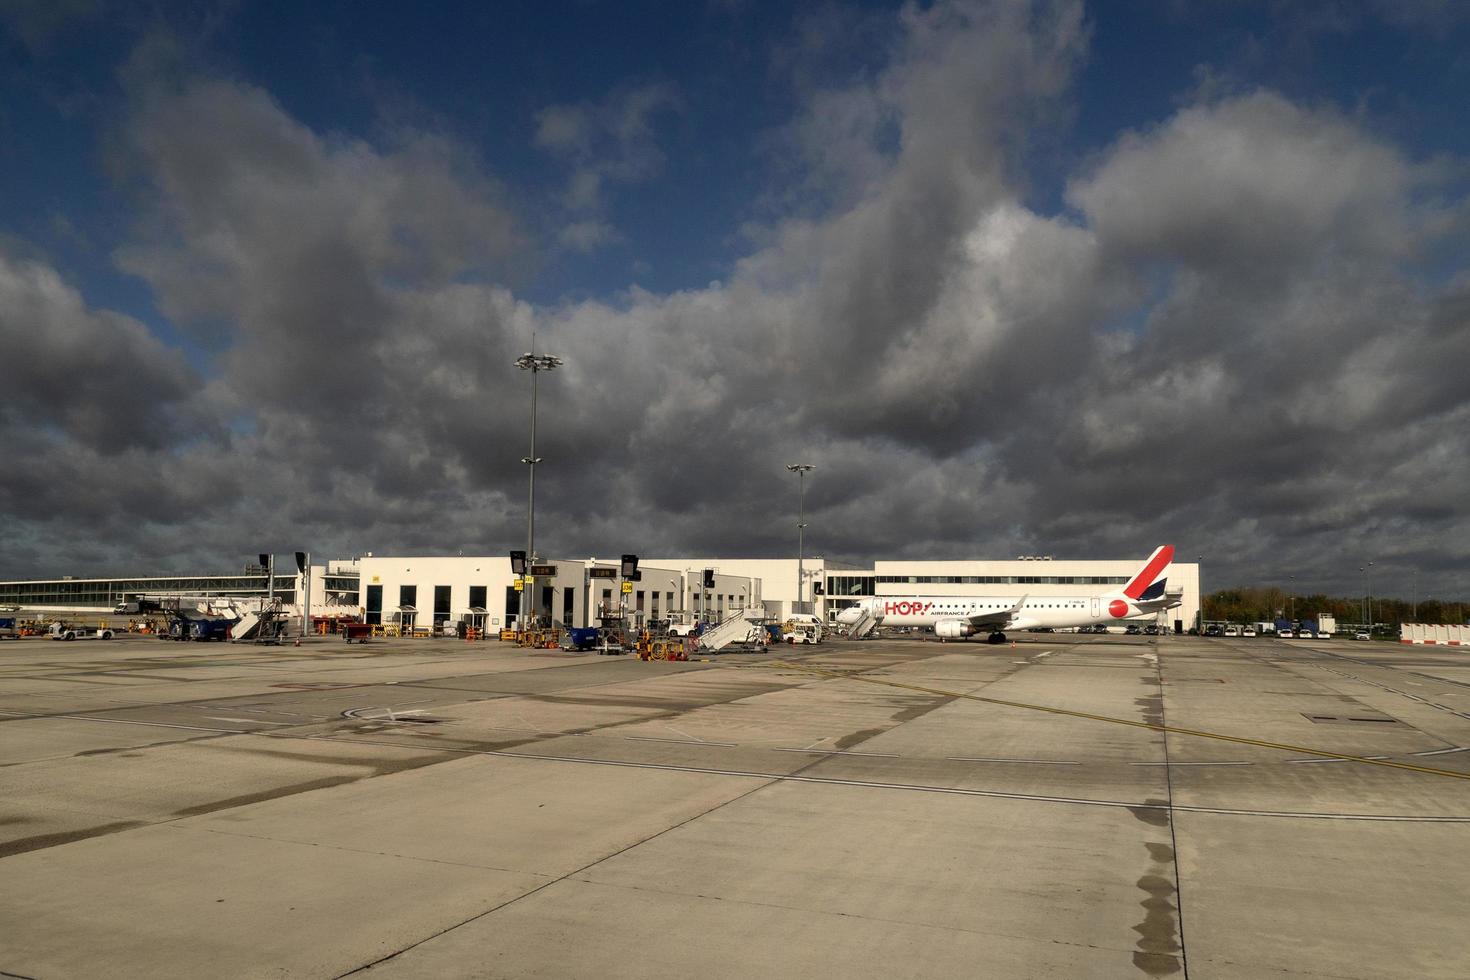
[(1016, 277)]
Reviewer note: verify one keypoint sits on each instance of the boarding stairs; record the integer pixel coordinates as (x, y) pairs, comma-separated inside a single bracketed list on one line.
[(863, 626), (246, 626), (259, 621), (745, 627)]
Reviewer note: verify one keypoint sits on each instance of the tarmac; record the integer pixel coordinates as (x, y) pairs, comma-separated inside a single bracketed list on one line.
[(1068, 806)]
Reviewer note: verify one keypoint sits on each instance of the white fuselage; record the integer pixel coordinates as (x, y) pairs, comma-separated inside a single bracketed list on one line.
[(1056, 612)]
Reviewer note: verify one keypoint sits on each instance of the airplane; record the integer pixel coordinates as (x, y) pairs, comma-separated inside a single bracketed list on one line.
[(954, 617)]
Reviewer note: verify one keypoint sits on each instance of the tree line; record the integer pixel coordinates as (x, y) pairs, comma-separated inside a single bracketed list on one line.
[(1266, 604)]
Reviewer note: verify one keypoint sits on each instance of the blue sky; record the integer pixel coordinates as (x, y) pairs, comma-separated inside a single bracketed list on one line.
[(782, 206), (483, 73)]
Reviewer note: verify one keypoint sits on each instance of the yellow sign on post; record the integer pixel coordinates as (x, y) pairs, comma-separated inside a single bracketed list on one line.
[(519, 587), (627, 588)]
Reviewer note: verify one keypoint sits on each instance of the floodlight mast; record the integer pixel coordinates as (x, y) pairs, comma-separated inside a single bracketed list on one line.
[(535, 363), (801, 470)]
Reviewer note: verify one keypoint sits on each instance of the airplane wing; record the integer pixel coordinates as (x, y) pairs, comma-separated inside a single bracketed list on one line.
[(999, 619)]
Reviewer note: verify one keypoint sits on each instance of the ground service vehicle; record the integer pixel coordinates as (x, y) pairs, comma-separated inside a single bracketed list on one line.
[(60, 631)]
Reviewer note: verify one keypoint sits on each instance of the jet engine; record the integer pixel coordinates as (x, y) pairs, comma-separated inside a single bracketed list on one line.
[(953, 629)]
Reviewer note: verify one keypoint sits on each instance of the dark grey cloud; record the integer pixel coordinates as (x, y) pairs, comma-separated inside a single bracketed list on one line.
[(93, 377), (1238, 336)]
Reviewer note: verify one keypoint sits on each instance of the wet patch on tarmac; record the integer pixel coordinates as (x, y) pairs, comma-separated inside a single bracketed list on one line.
[(24, 844), (853, 738), (1158, 934), (1155, 814)]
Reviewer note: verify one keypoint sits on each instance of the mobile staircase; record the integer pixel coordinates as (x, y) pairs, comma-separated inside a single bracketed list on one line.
[(746, 628), (246, 626), (258, 620), (863, 626)]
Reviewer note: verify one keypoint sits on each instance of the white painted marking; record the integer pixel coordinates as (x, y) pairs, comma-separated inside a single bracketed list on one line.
[(876, 755), (1191, 763), (1461, 748), (678, 741), (155, 724), (1028, 762), (250, 721)]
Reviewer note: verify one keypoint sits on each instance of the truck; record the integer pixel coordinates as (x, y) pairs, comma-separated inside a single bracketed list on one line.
[(1326, 624), (8, 629)]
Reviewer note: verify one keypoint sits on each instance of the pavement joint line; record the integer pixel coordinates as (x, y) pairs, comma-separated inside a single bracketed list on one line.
[(1158, 671), (805, 910), (1390, 690), (564, 877), (179, 824), (1172, 764), (1167, 729), (770, 777)]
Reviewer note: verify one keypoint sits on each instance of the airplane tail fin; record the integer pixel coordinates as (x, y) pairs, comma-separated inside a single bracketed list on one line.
[(1153, 592), (1148, 575)]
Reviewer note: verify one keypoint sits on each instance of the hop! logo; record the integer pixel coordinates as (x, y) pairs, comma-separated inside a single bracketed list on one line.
[(1117, 608)]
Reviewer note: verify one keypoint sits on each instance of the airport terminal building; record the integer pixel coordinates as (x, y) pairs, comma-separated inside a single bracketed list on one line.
[(431, 590)]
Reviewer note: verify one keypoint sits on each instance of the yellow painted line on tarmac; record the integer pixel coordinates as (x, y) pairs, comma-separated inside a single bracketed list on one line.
[(1237, 739)]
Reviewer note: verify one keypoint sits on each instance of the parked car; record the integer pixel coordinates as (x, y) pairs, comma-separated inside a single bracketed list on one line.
[(1248, 631), (1285, 634), (1133, 629), (1360, 635), (1099, 627), (1232, 631), (1212, 630)]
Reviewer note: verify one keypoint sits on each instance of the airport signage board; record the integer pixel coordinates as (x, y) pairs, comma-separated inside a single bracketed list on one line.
[(602, 573), (545, 571)]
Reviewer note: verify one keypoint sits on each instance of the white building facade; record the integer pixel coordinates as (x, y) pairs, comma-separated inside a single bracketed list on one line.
[(432, 590)]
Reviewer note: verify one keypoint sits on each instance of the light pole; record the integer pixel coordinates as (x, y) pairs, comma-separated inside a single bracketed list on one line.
[(535, 363), (1291, 601), (1199, 565), (1363, 606), (1369, 582), (801, 470)]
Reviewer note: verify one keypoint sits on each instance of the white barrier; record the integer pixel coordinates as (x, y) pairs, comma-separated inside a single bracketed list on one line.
[(1433, 634)]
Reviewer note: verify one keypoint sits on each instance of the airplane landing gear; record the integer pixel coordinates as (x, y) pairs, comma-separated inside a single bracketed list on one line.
[(996, 638)]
